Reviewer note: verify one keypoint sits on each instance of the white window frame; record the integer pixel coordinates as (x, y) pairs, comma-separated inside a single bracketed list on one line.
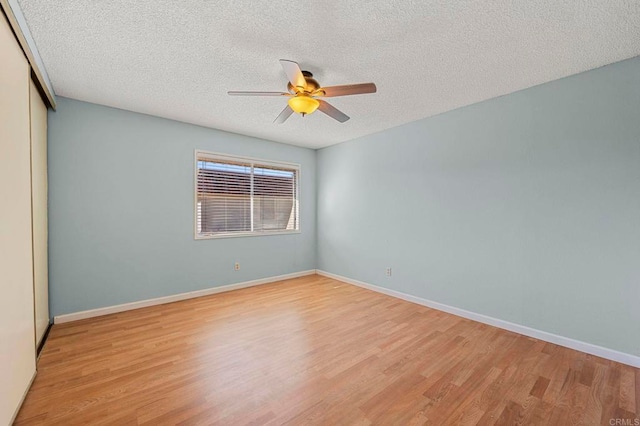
[(236, 158)]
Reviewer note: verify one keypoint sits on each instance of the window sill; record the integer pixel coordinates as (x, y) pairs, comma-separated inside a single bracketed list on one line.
[(244, 234)]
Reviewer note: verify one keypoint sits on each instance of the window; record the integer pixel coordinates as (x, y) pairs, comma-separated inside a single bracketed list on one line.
[(238, 196)]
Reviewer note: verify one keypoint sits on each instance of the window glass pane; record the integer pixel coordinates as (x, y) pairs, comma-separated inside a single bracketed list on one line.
[(224, 197), (274, 195)]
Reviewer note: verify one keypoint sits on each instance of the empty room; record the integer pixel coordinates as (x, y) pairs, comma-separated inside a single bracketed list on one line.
[(320, 213)]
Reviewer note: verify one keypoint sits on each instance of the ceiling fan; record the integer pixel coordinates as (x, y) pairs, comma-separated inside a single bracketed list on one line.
[(303, 91)]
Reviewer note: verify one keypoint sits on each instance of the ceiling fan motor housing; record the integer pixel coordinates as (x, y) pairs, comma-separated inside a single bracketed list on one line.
[(312, 85)]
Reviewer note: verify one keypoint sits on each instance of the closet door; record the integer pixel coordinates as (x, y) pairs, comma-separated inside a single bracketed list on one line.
[(39, 205), (17, 340)]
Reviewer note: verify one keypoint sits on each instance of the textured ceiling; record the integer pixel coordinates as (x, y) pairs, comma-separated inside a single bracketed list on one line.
[(177, 59)]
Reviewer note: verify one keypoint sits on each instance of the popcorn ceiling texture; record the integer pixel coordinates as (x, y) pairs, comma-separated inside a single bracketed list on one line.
[(177, 59)]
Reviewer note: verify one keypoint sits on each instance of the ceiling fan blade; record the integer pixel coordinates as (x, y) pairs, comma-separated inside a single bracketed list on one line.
[(332, 111), (294, 74), (348, 89), (245, 93), (282, 117)]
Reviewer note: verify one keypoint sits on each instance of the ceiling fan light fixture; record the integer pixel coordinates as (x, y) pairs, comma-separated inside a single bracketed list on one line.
[(302, 90), (303, 104)]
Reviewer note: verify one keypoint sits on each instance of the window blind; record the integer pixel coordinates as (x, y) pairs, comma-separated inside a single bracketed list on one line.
[(238, 196)]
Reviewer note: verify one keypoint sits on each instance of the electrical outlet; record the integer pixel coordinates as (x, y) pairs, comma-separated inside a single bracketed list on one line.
[(389, 272), (236, 266)]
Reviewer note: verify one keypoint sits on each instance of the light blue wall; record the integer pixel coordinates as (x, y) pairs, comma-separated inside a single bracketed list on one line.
[(524, 208), (121, 210)]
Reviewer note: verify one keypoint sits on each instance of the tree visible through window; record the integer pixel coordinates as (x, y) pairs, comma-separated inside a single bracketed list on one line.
[(243, 196)]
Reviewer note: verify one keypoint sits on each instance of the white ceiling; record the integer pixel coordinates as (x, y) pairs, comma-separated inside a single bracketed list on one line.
[(177, 59)]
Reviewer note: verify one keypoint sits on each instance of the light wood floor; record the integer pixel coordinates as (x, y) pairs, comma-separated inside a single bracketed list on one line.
[(314, 350)]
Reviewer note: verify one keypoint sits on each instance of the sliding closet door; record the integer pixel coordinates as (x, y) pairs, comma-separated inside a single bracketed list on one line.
[(39, 202), (17, 341)]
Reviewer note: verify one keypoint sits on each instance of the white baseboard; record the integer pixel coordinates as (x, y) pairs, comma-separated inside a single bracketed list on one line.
[(578, 345), (59, 319)]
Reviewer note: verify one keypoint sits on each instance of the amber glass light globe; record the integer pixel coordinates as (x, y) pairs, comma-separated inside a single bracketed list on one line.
[(303, 104)]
